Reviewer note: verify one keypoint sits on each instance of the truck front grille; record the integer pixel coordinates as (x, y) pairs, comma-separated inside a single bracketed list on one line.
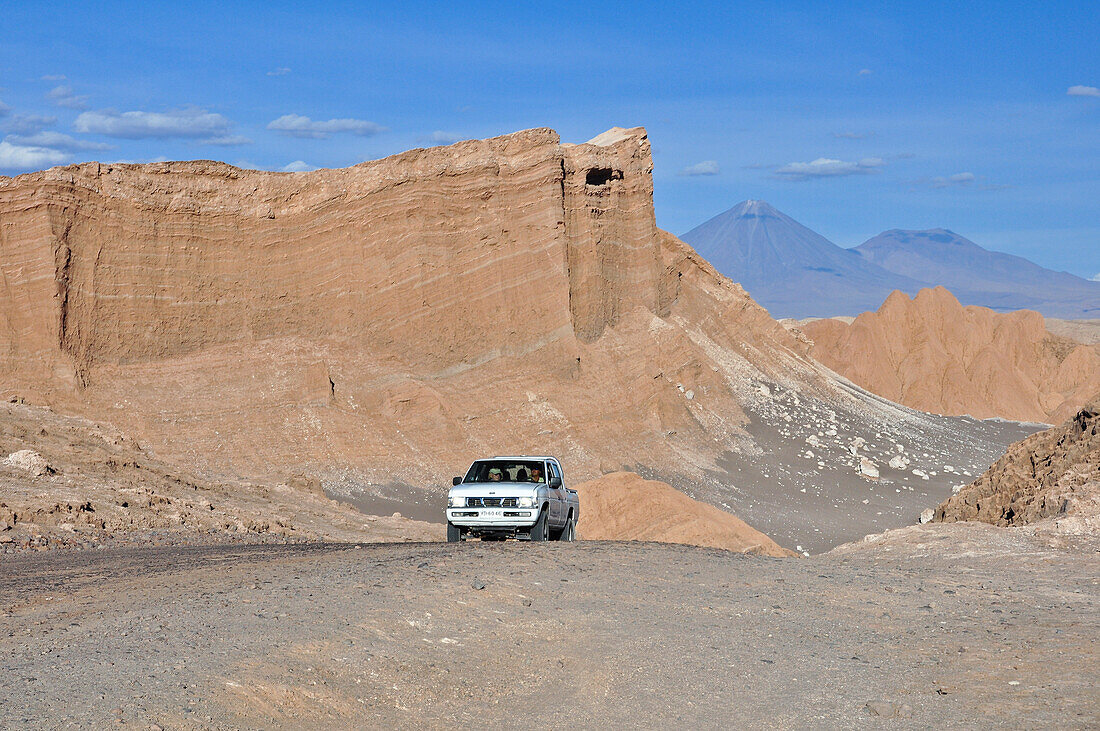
[(491, 502)]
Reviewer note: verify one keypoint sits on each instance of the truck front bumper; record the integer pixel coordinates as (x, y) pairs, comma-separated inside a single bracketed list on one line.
[(492, 518)]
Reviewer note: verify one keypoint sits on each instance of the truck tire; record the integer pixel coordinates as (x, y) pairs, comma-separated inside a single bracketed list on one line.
[(569, 532), (454, 533), (540, 531)]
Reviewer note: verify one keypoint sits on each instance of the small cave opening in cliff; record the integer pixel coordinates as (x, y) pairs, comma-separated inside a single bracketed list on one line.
[(602, 176)]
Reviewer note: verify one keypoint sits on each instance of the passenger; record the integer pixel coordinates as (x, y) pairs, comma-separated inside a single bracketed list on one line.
[(536, 475), (521, 475), (495, 475)]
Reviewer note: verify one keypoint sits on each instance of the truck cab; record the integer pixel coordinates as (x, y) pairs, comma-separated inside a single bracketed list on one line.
[(521, 497)]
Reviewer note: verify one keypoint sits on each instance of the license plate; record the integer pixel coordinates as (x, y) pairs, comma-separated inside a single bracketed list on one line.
[(492, 513)]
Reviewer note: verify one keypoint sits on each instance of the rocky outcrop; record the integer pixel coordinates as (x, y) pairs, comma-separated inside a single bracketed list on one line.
[(622, 506), (1053, 473), (933, 354)]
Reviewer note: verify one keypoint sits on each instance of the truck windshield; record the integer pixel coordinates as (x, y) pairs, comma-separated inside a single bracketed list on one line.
[(493, 470)]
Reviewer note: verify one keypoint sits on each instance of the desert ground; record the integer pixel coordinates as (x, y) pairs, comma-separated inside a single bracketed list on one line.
[(945, 626)]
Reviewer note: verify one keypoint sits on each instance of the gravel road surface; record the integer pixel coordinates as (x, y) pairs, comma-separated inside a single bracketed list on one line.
[(945, 628)]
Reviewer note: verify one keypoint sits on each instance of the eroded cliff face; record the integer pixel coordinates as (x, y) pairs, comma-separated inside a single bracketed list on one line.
[(380, 325), (206, 288), (933, 354)]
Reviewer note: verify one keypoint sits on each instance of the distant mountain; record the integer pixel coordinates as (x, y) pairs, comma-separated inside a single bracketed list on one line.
[(795, 272), (789, 269), (978, 276)]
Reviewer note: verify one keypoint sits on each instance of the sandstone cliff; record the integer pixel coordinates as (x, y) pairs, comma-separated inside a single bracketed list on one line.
[(1053, 473), (378, 326), (933, 354)]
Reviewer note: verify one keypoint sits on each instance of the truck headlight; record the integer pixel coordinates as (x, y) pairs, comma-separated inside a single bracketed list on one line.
[(525, 502), (456, 502)]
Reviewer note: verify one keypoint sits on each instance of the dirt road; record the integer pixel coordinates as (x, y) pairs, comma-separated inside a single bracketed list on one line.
[(952, 626)]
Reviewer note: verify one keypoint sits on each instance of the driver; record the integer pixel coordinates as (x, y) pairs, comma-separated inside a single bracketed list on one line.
[(536, 474), (495, 475)]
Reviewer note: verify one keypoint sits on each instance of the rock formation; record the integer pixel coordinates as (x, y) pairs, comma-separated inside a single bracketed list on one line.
[(933, 354), (1053, 473), (379, 326), (623, 506)]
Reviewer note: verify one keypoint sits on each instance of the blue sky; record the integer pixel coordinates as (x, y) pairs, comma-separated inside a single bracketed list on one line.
[(853, 118)]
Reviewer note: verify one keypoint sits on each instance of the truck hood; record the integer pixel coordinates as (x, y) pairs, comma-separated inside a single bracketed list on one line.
[(495, 489)]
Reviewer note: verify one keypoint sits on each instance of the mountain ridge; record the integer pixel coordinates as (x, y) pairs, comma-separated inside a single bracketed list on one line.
[(796, 273)]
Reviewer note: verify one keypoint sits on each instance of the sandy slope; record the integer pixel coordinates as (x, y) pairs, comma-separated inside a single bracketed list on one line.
[(625, 506), (68, 482)]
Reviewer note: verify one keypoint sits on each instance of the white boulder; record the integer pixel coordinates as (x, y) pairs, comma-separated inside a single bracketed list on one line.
[(28, 460), (867, 468)]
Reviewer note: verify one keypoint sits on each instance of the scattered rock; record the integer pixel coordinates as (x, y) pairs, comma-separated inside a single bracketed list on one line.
[(899, 462), (867, 468), (478, 584), (926, 515), (886, 709), (29, 461)]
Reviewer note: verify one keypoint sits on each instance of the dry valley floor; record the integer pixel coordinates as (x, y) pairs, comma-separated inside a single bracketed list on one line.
[(940, 626)]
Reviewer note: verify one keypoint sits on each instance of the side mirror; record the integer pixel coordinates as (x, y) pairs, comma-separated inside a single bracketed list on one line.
[(555, 482), (456, 480)]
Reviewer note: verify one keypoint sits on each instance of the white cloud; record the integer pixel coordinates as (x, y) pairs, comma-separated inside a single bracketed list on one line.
[(951, 180), (439, 137), (27, 124), (853, 135), (4, 109), (1083, 91), (706, 167), (295, 125), (28, 157), (187, 122), (1096, 278), (865, 72), (57, 140), (226, 141), (825, 167), (54, 77), (281, 71), (298, 166), (64, 96)]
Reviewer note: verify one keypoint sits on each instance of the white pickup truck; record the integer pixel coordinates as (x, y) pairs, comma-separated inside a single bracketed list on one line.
[(512, 497)]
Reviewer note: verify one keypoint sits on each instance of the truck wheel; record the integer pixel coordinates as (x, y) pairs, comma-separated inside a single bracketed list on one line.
[(540, 531), (569, 532), (454, 533)]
